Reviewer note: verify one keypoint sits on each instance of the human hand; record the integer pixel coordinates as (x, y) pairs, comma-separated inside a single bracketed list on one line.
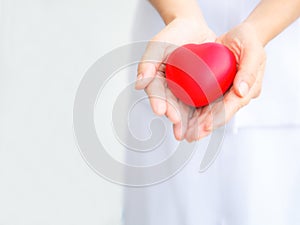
[(249, 51), (151, 74)]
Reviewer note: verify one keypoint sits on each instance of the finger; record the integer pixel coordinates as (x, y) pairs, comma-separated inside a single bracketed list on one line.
[(146, 73), (195, 129), (250, 61), (259, 81), (192, 129), (180, 128), (222, 111), (157, 95), (172, 112), (150, 63)]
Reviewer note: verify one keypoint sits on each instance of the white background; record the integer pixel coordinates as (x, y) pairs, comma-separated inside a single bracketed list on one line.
[(46, 47)]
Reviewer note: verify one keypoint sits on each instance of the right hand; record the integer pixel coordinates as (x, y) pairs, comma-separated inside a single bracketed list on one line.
[(245, 44), (151, 74)]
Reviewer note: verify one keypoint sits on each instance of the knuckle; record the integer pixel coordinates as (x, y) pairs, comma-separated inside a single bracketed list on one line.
[(242, 103), (257, 93), (251, 78)]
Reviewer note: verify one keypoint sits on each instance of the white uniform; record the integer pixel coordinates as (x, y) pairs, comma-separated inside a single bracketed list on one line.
[(256, 177)]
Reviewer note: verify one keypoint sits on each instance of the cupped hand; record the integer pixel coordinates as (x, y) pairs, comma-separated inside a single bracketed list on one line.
[(243, 41), (151, 73)]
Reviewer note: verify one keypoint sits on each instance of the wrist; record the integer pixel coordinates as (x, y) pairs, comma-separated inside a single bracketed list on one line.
[(192, 23), (256, 30), (197, 29), (193, 18), (270, 18), (182, 10)]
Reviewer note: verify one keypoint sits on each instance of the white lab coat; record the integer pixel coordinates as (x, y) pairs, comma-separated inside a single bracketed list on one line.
[(256, 177)]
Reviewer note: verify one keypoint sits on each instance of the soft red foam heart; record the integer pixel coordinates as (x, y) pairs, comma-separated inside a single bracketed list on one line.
[(199, 74)]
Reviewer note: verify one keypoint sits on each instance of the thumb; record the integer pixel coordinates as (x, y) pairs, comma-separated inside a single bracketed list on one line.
[(149, 64), (146, 73), (249, 65)]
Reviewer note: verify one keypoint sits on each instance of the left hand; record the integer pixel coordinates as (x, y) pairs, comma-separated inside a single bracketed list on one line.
[(243, 41)]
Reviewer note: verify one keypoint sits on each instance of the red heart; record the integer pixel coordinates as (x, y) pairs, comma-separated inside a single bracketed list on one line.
[(199, 74)]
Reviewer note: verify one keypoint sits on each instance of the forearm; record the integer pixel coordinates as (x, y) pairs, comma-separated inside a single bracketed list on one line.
[(172, 9), (271, 17)]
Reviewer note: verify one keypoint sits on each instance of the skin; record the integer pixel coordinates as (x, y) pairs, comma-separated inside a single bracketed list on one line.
[(247, 41)]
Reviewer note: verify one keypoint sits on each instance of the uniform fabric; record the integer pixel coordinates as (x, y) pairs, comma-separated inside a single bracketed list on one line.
[(256, 177)]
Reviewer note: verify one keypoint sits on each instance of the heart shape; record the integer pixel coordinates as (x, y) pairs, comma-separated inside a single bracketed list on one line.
[(198, 74)]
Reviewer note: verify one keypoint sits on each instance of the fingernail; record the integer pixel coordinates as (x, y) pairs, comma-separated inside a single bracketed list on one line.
[(243, 88)]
